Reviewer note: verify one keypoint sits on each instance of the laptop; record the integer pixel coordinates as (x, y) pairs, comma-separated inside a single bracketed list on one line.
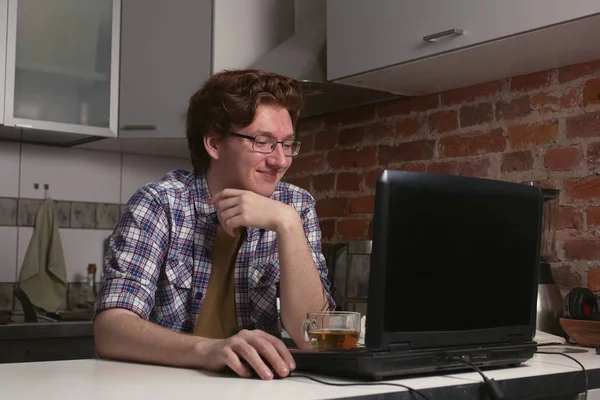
[(453, 272)]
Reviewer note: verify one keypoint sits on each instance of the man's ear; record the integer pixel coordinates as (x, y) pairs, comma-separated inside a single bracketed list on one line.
[(212, 144)]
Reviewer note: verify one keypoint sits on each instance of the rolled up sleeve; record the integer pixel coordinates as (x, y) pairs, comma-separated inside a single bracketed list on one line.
[(312, 230), (136, 253)]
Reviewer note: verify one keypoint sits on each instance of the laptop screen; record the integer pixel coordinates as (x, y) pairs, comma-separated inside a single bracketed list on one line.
[(460, 253)]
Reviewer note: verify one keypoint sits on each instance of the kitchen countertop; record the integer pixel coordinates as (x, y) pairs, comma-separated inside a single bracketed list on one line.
[(543, 376)]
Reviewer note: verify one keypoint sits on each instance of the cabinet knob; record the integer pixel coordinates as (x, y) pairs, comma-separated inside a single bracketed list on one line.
[(434, 36)]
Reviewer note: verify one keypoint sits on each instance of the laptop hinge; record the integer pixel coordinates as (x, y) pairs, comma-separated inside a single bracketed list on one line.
[(399, 347)]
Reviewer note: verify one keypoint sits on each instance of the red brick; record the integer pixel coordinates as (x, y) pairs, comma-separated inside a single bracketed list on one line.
[(591, 92), (443, 167), (408, 106), (348, 181), (593, 153), (380, 132), (476, 115), (324, 182), (371, 178), (531, 135), (516, 108), (410, 151), (327, 228), (586, 125), (583, 188), (563, 158), (569, 218), (303, 182), (472, 93), (308, 144), (593, 216), (336, 207), (416, 167), (352, 228), (351, 158), (478, 167), (517, 161), (306, 164), (472, 144), (565, 278), (362, 205), (443, 121), (572, 72), (408, 127), (525, 83), (593, 279), (543, 184), (582, 249), (556, 101), (326, 140), (348, 116), (310, 125), (351, 136)]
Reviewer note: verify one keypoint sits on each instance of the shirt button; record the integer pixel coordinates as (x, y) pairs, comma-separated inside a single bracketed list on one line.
[(199, 295), (263, 279)]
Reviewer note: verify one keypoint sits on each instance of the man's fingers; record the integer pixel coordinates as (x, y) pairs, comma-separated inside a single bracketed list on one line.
[(271, 354), (281, 348), (226, 193), (236, 365), (225, 204), (249, 353)]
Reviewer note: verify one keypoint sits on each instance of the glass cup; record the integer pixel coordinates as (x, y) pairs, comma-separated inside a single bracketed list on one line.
[(332, 330)]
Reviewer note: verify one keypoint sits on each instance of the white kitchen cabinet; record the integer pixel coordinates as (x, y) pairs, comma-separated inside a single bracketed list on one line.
[(3, 21), (437, 44), (168, 51), (165, 55), (62, 66)]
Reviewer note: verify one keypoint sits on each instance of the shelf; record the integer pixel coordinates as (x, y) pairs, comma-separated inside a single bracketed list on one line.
[(58, 70)]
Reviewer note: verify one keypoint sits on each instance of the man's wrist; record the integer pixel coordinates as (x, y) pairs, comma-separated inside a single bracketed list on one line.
[(288, 222)]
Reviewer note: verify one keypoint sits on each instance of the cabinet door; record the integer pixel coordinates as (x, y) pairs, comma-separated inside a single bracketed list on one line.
[(62, 65), (3, 19), (364, 36), (165, 57)]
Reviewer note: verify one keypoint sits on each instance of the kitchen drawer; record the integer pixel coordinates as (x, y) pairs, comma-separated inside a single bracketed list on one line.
[(364, 36)]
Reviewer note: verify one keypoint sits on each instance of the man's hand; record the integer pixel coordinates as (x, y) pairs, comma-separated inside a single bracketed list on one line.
[(236, 208), (251, 346)]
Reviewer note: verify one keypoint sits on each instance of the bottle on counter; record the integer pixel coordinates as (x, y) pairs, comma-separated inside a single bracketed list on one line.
[(88, 293)]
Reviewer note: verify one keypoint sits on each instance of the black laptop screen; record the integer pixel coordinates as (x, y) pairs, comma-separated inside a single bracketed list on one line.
[(459, 261)]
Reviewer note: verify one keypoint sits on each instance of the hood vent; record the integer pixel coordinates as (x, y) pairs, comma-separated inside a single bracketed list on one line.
[(304, 57)]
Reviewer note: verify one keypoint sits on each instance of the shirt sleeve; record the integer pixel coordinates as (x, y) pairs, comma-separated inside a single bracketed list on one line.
[(312, 230), (137, 249)]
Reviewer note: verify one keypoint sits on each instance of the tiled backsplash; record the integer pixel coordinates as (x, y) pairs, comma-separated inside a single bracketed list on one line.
[(89, 189)]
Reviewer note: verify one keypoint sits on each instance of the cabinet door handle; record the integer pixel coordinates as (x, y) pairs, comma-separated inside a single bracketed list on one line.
[(433, 37), (138, 128)]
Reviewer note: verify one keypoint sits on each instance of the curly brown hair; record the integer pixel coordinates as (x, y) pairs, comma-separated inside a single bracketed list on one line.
[(230, 98)]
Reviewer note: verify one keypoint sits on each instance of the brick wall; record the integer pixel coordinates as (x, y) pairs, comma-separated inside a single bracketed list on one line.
[(542, 127)]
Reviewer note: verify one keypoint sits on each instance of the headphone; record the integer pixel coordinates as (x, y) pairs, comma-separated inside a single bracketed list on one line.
[(581, 303)]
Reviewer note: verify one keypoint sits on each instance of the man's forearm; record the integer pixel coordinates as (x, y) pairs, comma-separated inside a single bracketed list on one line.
[(301, 289), (121, 334)]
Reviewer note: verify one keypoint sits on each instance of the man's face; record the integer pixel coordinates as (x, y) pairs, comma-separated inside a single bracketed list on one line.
[(247, 169)]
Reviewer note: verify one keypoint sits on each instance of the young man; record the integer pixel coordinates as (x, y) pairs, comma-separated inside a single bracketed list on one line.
[(195, 261)]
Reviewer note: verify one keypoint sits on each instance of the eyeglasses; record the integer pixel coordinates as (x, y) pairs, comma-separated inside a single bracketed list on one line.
[(266, 144)]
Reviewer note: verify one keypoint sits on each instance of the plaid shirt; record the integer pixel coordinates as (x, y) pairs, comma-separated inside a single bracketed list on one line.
[(159, 259)]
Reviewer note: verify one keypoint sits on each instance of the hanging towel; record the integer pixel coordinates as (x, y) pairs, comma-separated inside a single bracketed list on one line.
[(43, 276)]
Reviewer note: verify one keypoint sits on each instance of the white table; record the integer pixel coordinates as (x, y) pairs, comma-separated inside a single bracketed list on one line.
[(99, 379)]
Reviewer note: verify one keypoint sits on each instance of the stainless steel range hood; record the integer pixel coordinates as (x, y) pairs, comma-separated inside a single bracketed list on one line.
[(304, 57)]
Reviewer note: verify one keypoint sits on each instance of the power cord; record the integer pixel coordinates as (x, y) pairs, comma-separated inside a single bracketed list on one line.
[(494, 390), (580, 364), (410, 390)]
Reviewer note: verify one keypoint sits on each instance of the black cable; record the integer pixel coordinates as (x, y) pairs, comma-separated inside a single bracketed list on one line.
[(580, 364), (493, 388), (411, 390)]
